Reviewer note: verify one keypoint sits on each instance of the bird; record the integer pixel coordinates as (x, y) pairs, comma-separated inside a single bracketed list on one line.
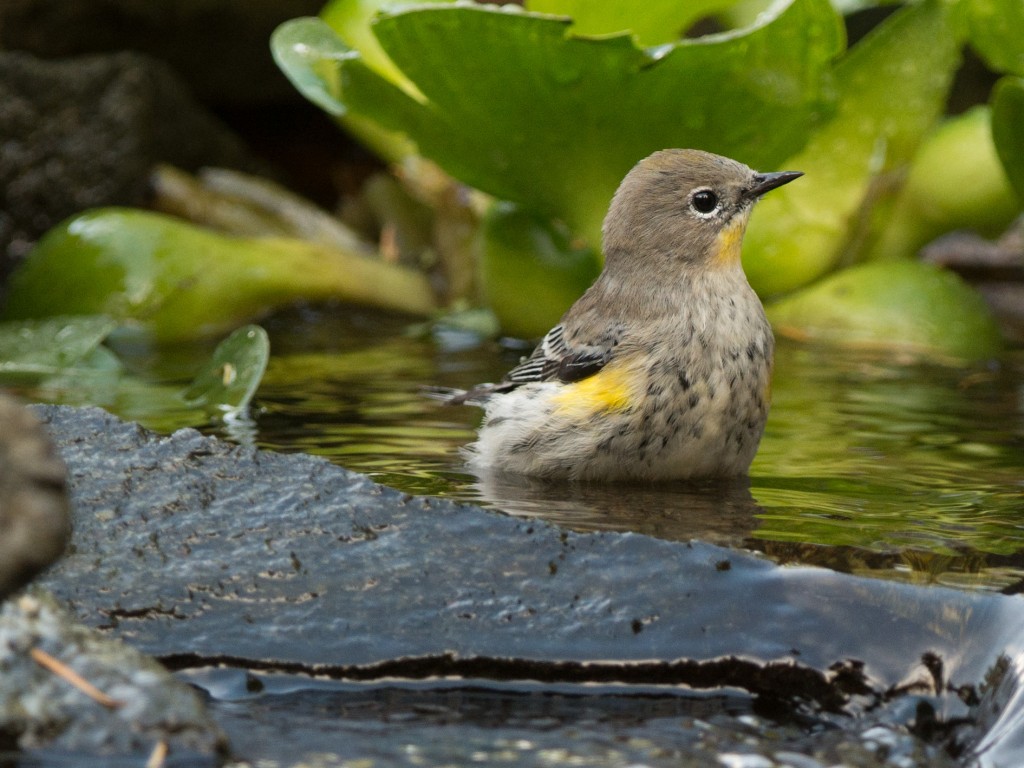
[(661, 370)]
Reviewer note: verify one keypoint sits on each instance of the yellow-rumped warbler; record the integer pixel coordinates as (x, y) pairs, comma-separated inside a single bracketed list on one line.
[(662, 369)]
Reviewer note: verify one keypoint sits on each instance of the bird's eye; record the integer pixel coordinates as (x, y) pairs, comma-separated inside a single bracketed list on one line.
[(704, 201)]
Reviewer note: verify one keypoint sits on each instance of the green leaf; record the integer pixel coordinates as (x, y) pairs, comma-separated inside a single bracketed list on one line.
[(900, 307), (1007, 119), (531, 271), (351, 20), (892, 88), (310, 53), (228, 381), (169, 280), (995, 32), (62, 359), (661, 21), (37, 348), (516, 105), (958, 156)]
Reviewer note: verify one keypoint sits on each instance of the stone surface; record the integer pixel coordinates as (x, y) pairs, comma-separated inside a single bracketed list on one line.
[(321, 611), (35, 524), (220, 47), (42, 710), (197, 551)]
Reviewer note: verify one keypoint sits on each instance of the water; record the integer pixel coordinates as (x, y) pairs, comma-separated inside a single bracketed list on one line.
[(871, 466), (531, 725), (884, 468)]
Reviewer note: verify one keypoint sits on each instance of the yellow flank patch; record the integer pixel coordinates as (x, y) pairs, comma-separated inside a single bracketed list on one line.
[(729, 242), (607, 390)]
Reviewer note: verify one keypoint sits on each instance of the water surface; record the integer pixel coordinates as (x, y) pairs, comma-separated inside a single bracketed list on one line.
[(869, 465)]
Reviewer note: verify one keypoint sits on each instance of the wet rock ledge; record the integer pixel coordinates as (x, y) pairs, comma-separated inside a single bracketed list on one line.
[(202, 553)]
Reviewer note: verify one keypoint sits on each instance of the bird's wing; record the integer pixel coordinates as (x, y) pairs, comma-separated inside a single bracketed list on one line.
[(555, 358)]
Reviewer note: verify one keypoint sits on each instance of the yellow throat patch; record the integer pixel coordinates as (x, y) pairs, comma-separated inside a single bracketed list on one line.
[(729, 242)]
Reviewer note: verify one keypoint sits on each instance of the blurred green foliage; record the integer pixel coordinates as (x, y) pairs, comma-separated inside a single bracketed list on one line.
[(547, 107), (65, 358), (519, 105), (169, 281), (543, 109), (905, 306)]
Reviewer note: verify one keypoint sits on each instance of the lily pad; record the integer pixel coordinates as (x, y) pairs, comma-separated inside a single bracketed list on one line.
[(661, 21), (901, 307), (170, 281), (229, 380), (38, 348), (517, 105), (892, 88)]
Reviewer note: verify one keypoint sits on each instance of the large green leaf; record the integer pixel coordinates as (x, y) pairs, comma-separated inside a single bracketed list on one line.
[(171, 280), (892, 88), (904, 307), (515, 104), (1007, 119)]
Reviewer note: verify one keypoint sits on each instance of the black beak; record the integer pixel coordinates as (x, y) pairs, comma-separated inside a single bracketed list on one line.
[(766, 182)]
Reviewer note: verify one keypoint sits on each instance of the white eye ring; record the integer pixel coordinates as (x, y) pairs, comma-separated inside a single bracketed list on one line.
[(705, 202)]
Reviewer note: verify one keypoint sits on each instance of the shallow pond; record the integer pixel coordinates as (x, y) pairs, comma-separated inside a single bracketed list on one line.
[(899, 471), (871, 466)]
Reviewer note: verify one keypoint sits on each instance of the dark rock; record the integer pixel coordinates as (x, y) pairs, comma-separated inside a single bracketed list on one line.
[(203, 552), (220, 47), (86, 132), (35, 524), (42, 710), (268, 579)]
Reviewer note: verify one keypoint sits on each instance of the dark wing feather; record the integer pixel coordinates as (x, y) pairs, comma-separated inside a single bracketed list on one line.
[(556, 359)]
